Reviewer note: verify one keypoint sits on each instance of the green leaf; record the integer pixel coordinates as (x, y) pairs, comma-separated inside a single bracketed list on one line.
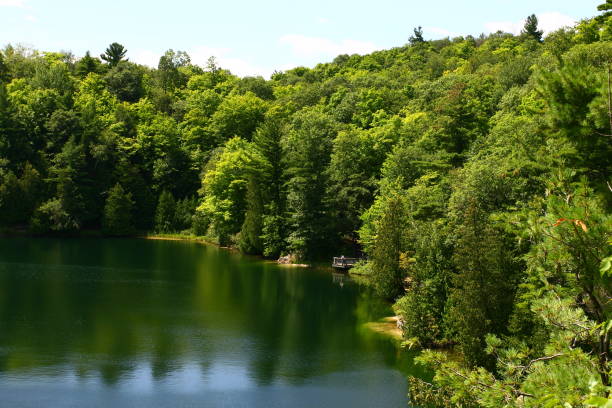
[(606, 266), (600, 402)]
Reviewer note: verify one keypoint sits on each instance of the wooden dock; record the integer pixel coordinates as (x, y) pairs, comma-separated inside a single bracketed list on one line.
[(341, 262)]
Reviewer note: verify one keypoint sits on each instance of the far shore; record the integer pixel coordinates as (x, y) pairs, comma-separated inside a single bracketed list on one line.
[(24, 232)]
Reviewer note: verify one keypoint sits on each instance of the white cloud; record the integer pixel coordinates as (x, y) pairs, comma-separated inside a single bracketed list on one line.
[(225, 59), (304, 46), (548, 22), (145, 57), (31, 18), (12, 3), (200, 56), (322, 20), (505, 26), (439, 32)]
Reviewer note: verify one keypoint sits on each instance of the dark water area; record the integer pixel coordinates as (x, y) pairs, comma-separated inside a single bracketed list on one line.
[(141, 323)]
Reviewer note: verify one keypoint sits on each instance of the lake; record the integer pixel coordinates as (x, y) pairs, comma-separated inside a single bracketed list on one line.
[(145, 323)]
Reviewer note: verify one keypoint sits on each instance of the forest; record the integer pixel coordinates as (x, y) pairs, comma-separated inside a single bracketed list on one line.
[(472, 173)]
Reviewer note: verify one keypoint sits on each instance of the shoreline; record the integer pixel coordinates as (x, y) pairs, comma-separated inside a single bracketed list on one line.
[(387, 326), (203, 240), (24, 233)]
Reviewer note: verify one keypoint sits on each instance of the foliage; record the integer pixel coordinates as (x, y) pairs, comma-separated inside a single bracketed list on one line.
[(250, 241), (387, 246), (165, 220), (114, 54), (224, 187), (531, 28), (118, 212), (307, 150), (473, 174)]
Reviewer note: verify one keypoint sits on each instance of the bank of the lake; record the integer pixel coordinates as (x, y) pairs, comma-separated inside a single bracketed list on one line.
[(134, 322)]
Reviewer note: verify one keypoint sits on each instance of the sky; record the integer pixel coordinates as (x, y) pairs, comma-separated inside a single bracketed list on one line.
[(259, 37)]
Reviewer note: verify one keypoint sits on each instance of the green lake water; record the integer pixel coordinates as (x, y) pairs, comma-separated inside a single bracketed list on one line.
[(141, 323)]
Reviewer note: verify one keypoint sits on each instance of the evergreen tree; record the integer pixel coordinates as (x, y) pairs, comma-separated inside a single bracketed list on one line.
[(114, 54), (125, 81), (31, 185), (250, 235), (10, 199), (483, 287), (165, 220), (387, 270), (87, 65), (4, 73), (185, 210), (308, 149), (267, 140), (274, 230), (607, 7), (417, 37), (118, 212), (531, 28), (73, 186)]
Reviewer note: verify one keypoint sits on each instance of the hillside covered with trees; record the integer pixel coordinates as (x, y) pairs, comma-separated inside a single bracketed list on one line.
[(474, 173)]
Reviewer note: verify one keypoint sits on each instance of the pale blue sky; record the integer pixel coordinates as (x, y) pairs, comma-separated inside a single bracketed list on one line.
[(257, 37)]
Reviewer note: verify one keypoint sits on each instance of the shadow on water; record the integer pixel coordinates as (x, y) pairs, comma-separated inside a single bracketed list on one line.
[(94, 321)]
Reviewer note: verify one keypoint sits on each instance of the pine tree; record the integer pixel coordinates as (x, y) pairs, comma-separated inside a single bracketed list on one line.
[(267, 140), (607, 9), (308, 150), (185, 209), (114, 54), (10, 199), (118, 212), (531, 28), (607, 6), (417, 38), (387, 273), (250, 234), (165, 214), (4, 72), (481, 300), (86, 65)]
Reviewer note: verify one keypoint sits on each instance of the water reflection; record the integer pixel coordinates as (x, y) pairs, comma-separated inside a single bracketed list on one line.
[(158, 318)]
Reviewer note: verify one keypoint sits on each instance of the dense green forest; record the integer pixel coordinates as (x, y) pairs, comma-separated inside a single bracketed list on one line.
[(473, 173)]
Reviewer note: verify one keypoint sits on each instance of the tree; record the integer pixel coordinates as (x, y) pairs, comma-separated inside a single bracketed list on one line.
[(571, 243), (260, 87), (267, 140), (125, 81), (483, 287), (564, 293), (224, 187), (388, 270), (118, 212), (185, 210), (607, 7), (165, 213), (576, 96), (73, 189), (10, 199), (250, 235), (417, 37), (4, 74), (114, 54), (531, 28), (237, 115), (52, 216), (307, 149), (168, 71), (86, 65)]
